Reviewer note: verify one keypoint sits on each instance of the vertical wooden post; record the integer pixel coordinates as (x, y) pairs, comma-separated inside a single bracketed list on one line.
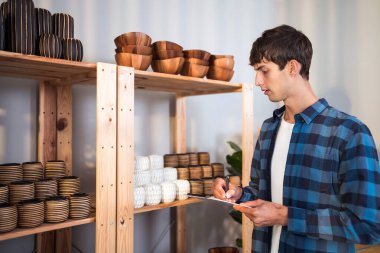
[(125, 159), (63, 237), (106, 128), (247, 147), (180, 147), (47, 148)]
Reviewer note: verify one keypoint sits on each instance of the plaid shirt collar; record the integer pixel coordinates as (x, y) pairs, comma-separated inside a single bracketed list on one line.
[(307, 115)]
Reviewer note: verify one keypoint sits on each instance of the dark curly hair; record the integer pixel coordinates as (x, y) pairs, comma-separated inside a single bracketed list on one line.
[(282, 44)]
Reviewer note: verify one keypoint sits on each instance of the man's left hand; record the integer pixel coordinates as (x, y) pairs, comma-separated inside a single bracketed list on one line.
[(264, 213)]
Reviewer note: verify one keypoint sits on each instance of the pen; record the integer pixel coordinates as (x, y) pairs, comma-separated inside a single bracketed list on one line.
[(227, 179)]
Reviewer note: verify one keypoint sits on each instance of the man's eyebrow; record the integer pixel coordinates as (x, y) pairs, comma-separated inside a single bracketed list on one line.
[(258, 68)]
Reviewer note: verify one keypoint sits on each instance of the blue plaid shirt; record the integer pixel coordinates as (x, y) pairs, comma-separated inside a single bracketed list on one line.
[(331, 182)]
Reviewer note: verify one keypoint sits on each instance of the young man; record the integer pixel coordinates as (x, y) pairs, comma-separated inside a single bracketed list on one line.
[(315, 177)]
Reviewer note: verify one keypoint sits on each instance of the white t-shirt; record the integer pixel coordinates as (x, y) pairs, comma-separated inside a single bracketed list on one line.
[(279, 157)]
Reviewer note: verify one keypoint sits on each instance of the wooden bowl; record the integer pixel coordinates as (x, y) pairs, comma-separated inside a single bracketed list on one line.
[(217, 73), (197, 53), (166, 45), (227, 63), (133, 49), (197, 61), (194, 70), (223, 250), (166, 54), (218, 56), (133, 38), (138, 61), (169, 66)]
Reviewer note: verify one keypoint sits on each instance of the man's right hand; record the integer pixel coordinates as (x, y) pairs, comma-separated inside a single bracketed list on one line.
[(233, 194)]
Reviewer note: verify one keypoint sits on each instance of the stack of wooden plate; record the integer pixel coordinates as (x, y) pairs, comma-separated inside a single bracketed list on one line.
[(217, 169), (20, 190), (207, 170), (193, 158), (195, 172), (10, 172), (55, 169), (207, 186), (3, 193), (221, 67), (196, 186), (79, 206), (171, 160), (56, 209), (30, 213), (8, 217), (68, 186), (167, 57), (45, 188), (133, 50), (183, 160), (183, 173), (204, 158), (33, 171), (196, 63)]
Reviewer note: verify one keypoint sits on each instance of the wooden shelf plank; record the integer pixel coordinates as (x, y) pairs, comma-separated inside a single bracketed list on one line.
[(62, 72), (183, 85), (167, 205), (19, 232)]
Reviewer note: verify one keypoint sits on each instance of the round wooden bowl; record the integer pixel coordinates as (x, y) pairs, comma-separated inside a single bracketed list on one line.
[(194, 70), (166, 45), (138, 61), (217, 73), (133, 49), (168, 66), (218, 56), (227, 63), (197, 61), (133, 38), (197, 53), (166, 54), (223, 250)]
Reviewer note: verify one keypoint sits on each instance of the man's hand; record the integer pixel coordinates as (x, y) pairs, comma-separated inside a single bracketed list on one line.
[(233, 194), (263, 213)]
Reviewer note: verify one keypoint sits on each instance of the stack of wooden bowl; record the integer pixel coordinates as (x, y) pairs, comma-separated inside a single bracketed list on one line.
[(167, 57), (196, 63), (30, 213), (221, 67), (133, 49)]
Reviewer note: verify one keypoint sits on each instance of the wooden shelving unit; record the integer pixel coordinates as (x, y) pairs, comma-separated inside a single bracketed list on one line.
[(115, 140)]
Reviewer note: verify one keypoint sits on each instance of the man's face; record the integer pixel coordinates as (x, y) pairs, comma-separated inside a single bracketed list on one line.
[(271, 80)]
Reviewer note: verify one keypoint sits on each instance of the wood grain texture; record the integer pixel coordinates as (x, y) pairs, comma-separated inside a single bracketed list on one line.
[(63, 237), (180, 147), (247, 147), (125, 159), (106, 164), (47, 140)]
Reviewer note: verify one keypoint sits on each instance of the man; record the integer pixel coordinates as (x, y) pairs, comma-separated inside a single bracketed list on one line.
[(315, 177)]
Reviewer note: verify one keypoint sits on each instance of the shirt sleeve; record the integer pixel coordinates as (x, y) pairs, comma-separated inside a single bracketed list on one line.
[(251, 191), (358, 220)]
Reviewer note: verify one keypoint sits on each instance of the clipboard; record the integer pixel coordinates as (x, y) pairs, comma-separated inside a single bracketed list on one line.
[(212, 198)]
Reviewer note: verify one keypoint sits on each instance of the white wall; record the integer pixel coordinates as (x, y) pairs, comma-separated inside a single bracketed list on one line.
[(344, 70)]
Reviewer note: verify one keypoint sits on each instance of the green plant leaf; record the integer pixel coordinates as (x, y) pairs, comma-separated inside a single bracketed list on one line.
[(234, 146), (239, 243), (235, 160)]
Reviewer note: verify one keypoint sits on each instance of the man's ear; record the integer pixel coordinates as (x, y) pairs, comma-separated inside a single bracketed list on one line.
[(294, 68)]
